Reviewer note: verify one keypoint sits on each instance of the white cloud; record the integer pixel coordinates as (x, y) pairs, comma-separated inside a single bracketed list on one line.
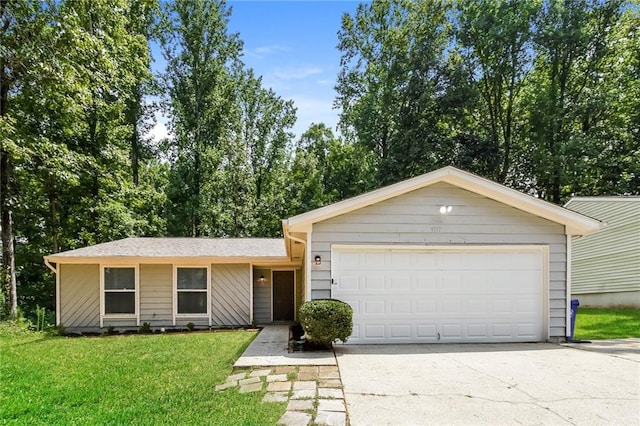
[(295, 72), (314, 110), (267, 49)]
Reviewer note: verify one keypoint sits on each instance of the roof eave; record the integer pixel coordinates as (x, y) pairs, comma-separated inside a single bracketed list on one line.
[(575, 223), (165, 259)]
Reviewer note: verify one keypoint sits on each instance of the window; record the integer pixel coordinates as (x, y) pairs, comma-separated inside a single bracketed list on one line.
[(119, 291), (192, 291)]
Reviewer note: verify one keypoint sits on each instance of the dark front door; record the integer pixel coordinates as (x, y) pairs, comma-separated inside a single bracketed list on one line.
[(283, 304)]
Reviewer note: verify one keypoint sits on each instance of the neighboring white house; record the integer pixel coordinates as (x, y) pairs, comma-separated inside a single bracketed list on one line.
[(606, 265)]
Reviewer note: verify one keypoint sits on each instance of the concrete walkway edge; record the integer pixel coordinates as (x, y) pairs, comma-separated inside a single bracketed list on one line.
[(271, 348)]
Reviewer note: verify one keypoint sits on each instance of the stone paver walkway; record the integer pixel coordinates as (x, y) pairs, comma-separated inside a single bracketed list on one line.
[(313, 393)]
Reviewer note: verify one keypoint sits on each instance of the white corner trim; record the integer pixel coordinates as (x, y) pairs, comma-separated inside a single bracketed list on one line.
[(250, 293), (307, 272), (567, 328)]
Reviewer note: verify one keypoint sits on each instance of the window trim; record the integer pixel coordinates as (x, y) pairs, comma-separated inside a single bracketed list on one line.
[(176, 315), (136, 291)]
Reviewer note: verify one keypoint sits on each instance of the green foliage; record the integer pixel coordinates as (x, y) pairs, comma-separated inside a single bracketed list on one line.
[(145, 328), (607, 323), (40, 319), (326, 320), (191, 326), (150, 379)]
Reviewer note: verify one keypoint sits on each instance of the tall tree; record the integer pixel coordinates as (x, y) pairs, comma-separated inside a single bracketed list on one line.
[(200, 55), (570, 109), (22, 42), (495, 39), (401, 87)]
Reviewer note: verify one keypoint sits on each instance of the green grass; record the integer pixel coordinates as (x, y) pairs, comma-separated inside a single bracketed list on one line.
[(607, 323), (135, 379)]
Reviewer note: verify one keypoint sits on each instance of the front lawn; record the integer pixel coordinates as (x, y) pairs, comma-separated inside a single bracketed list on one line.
[(607, 323), (134, 379)]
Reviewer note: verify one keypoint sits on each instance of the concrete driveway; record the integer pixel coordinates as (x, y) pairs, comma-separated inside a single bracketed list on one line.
[(488, 384)]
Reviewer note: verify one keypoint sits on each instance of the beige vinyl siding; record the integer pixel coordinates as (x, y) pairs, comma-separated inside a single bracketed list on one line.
[(262, 296), (414, 219), (607, 261), (79, 296), (156, 298), (230, 294)]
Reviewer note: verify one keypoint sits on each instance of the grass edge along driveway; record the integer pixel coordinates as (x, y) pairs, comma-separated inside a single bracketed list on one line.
[(607, 323), (133, 379)]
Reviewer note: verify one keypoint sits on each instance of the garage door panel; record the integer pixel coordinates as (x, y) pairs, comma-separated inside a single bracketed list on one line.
[(427, 295), (400, 282)]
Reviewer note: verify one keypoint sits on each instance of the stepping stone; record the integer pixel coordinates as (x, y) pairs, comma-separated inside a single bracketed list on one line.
[(249, 381), (276, 397), (329, 375), (277, 378), (308, 369), (284, 370), (279, 387), (294, 418), (331, 405), (300, 405), (332, 393), (308, 376), (304, 385), (253, 387), (331, 418), (237, 376), (259, 373), (330, 383), (303, 394), (227, 385), (328, 369)]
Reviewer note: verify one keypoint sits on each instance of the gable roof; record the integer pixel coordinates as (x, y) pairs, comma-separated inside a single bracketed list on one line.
[(221, 248), (575, 223)]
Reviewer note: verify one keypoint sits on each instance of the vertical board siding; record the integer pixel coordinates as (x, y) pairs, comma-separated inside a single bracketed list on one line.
[(262, 296), (607, 261), (414, 219), (80, 296), (230, 293), (156, 298)]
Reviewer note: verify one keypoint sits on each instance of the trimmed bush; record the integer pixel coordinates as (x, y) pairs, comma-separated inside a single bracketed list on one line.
[(326, 320)]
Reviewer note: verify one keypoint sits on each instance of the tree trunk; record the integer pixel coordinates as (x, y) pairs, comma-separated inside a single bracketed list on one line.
[(8, 274)]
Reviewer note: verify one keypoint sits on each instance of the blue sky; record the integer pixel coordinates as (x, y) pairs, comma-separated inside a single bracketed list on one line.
[(292, 45)]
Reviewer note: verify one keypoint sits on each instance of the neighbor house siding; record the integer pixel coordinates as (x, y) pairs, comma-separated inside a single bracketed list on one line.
[(414, 219), (79, 296), (230, 294), (156, 295), (262, 296), (608, 261)]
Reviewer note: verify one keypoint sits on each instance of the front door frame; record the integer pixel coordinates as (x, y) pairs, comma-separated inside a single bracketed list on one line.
[(295, 314)]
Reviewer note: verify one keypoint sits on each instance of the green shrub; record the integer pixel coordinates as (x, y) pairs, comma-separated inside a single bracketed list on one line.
[(145, 328), (191, 326), (326, 320)]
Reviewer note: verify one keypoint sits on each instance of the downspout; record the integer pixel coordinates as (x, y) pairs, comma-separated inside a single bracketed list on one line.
[(567, 329)]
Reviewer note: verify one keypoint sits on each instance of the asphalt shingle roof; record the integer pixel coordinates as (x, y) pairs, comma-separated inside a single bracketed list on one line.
[(183, 247)]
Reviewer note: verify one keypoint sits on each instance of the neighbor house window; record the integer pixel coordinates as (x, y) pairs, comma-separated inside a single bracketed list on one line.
[(192, 291), (119, 291)]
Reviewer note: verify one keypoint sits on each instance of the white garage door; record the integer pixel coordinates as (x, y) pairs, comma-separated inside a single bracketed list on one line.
[(427, 295)]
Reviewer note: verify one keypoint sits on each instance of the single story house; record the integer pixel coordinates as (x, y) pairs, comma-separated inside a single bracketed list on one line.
[(443, 257), (606, 265)]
